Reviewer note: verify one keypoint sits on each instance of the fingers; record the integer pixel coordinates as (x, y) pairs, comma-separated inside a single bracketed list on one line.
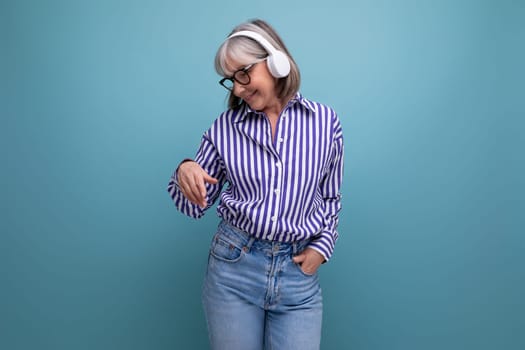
[(201, 186), (195, 190), (309, 260), (192, 192), (192, 182), (209, 179), (298, 259), (198, 192), (199, 189)]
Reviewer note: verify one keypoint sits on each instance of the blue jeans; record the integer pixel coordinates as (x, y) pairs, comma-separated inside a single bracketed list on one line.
[(255, 297)]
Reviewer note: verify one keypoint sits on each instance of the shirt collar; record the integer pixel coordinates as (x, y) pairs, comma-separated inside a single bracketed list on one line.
[(245, 110)]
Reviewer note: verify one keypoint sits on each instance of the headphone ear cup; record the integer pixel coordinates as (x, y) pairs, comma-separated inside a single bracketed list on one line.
[(278, 64)]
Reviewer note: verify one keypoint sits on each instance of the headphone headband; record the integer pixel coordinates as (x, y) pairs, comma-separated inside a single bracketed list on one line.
[(257, 37), (277, 61)]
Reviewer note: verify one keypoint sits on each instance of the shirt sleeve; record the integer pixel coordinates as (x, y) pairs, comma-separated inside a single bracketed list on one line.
[(331, 191), (210, 161)]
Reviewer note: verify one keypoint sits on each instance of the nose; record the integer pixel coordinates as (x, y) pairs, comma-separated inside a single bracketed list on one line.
[(238, 88)]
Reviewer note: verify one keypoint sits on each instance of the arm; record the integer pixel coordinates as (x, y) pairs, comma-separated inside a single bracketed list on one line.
[(331, 191), (321, 248)]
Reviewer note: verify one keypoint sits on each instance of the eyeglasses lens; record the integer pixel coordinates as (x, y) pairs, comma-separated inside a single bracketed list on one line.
[(242, 77)]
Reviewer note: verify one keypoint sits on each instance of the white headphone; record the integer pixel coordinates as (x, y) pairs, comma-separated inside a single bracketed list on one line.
[(277, 61)]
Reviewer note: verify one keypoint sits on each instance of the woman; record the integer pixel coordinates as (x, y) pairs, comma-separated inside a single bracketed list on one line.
[(280, 158)]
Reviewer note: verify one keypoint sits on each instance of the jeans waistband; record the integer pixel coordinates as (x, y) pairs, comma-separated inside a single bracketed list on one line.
[(249, 241)]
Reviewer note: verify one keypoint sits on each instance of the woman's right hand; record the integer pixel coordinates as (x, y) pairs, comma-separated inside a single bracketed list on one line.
[(192, 179)]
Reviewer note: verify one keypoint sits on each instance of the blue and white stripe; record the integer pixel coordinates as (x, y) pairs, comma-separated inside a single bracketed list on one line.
[(286, 189)]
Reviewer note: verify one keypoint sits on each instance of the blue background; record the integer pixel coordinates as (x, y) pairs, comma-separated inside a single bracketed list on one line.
[(101, 99)]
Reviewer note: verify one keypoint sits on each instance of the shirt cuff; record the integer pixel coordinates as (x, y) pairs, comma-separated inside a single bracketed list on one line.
[(323, 244)]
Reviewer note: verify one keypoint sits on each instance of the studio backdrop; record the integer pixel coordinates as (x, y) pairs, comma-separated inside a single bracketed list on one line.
[(101, 99)]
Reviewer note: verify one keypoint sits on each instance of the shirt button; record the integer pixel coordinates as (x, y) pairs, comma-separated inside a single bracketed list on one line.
[(274, 218), (281, 139), (277, 191)]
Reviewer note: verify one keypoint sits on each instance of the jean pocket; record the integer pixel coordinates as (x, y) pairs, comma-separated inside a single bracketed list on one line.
[(298, 267), (225, 250)]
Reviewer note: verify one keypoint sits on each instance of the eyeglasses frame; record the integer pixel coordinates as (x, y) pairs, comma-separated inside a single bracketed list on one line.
[(243, 70)]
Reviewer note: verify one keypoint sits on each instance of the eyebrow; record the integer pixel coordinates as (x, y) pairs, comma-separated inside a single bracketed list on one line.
[(251, 64), (245, 68)]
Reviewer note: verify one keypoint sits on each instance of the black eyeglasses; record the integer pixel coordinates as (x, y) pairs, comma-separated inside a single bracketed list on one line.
[(241, 76)]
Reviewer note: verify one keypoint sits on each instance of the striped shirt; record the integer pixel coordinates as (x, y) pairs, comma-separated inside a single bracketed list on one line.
[(282, 189)]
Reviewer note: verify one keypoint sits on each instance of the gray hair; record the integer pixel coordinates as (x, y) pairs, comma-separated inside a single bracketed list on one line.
[(245, 50)]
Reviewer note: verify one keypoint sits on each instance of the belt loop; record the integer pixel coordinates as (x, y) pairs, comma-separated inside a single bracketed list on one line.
[(294, 249), (250, 242), (248, 245)]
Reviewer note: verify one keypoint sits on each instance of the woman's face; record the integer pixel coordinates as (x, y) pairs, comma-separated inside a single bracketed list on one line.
[(259, 94)]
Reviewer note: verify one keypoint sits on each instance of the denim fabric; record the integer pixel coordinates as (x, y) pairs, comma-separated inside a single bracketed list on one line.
[(255, 297)]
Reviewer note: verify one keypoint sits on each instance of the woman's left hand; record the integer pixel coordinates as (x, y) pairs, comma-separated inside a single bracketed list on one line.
[(309, 260)]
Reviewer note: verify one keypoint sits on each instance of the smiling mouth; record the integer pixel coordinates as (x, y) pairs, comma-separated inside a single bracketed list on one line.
[(249, 97)]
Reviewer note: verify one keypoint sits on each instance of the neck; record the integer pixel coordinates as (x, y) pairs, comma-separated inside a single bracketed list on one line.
[(274, 110)]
